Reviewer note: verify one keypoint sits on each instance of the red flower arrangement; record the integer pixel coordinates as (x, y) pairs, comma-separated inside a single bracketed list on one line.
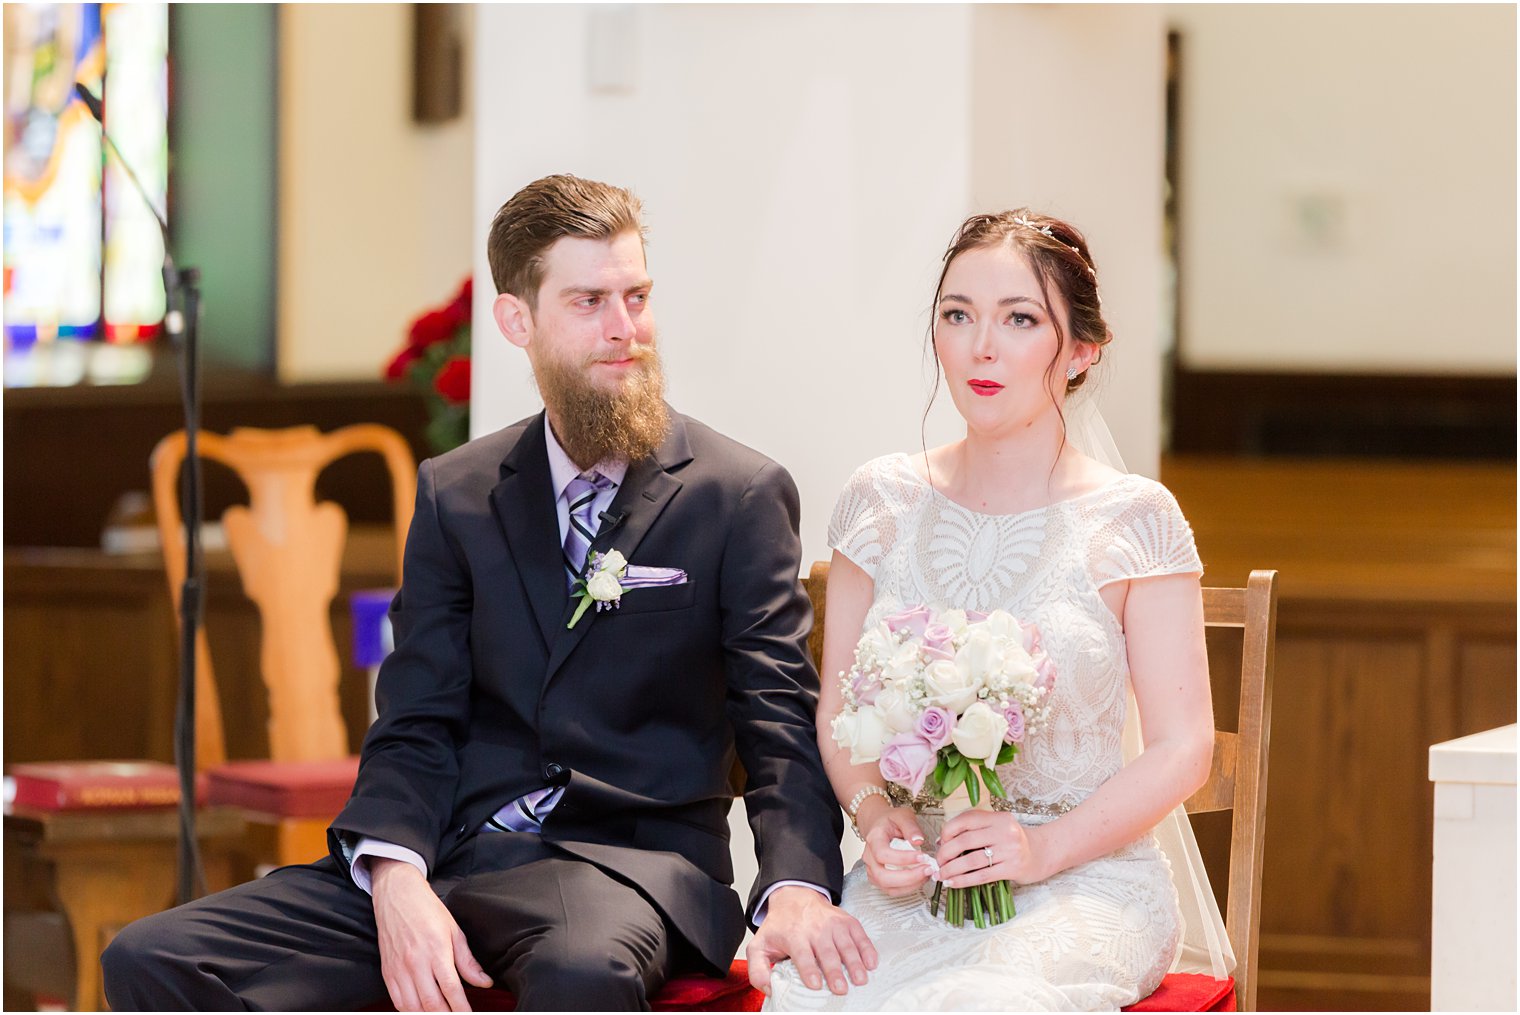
[(436, 362)]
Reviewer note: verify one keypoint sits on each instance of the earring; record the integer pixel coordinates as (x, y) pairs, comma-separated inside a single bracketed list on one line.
[(1071, 373)]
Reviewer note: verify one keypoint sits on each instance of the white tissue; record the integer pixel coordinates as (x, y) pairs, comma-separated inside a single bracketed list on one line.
[(924, 859)]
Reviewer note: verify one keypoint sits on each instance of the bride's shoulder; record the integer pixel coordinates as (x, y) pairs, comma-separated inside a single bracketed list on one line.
[(1137, 496), (885, 471)]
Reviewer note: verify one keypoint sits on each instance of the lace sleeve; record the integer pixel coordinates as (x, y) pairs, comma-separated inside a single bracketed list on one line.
[(857, 528), (1145, 535)]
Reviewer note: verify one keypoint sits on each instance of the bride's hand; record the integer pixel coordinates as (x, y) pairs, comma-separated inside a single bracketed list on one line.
[(979, 846), (882, 825)]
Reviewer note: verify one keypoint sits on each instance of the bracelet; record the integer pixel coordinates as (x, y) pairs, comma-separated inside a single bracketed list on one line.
[(860, 798)]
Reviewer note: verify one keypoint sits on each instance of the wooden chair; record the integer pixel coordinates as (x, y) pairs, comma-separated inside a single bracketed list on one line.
[(1237, 782), (1238, 776), (287, 548)]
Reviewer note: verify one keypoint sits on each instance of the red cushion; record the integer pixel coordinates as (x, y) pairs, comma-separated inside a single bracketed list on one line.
[(692, 992), (285, 789), (1189, 992), (1178, 992)]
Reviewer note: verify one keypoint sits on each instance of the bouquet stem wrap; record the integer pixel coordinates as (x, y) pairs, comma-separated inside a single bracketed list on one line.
[(984, 905)]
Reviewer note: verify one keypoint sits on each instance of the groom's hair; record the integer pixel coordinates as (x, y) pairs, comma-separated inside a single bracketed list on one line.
[(542, 212)]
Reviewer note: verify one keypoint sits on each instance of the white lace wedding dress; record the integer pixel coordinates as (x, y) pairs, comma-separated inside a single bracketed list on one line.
[(1096, 936)]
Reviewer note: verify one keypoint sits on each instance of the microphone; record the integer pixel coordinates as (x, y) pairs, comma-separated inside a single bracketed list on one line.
[(610, 521), (182, 311), (97, 110)]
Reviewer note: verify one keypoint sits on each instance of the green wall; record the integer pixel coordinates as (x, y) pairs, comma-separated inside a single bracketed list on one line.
[(223, 171)]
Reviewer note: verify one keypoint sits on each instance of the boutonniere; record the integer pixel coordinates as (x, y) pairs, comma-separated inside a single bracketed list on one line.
[(602, 584), (609, 575)]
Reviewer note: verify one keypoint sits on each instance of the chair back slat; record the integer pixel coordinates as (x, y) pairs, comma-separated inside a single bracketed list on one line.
[(1224, 607), (288, 549), (1218, 794)]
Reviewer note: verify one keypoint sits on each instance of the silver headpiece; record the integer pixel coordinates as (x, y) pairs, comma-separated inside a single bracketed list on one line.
[(1046, 231)]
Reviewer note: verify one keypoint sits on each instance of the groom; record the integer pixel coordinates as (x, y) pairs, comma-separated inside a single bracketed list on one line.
[(542, 803)]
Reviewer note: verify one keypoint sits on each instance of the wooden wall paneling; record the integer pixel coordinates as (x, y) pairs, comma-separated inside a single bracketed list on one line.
[(91, 655), (84, 652), (70, 453), (1355, 800), (1484, 659)]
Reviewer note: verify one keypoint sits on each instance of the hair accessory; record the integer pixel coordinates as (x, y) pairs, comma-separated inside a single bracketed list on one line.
[(1046, 231), (1071, 373)]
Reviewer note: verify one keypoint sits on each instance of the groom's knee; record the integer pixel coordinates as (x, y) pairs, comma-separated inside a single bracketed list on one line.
[(561, 974), (139, 967)]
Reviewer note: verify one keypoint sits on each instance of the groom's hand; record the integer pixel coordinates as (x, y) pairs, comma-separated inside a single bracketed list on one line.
[(420, 944), (822, 940)]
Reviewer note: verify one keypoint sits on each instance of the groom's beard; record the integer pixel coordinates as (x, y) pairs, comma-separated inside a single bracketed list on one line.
[(594, 425)]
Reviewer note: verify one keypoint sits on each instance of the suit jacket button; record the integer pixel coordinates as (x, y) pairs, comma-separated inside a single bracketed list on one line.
[(552, 771)]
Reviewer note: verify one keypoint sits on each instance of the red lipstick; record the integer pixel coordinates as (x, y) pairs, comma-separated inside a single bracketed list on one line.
[(984, 388)]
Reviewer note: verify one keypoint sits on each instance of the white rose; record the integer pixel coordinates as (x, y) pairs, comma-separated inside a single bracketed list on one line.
[(1001, 624), (612, 561), (950, 686), (604, 587), (863, 732), (1018, 665), (876, 645), (955, 620), (979, 656), (902, 666), (892, 704), (979, 733)]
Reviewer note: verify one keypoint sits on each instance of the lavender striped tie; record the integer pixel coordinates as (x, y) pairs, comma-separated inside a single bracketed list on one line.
[(581, 492)]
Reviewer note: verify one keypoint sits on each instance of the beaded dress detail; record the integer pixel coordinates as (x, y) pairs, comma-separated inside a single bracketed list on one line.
[(1096, 936)]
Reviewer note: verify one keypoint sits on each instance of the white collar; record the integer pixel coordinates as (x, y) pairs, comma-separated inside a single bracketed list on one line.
[(562, 470)]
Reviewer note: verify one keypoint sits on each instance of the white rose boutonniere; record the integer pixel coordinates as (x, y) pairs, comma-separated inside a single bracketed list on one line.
[(602, 584), (609, 575)]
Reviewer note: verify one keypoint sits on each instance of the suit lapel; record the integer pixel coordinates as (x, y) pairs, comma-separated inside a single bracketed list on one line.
[(646, 489), (524, 504)]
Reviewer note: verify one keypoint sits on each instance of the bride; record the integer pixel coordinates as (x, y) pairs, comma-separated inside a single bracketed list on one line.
[(1015, 517)]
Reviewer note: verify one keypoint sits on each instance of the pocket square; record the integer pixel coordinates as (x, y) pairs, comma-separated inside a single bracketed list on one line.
[(640, 577)]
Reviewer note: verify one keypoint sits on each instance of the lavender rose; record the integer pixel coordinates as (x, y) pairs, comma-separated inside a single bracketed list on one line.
[(907, 760), (1046, 671), (913, 620), (937, 642), (936, 725), (1014, 713), (865, 688)]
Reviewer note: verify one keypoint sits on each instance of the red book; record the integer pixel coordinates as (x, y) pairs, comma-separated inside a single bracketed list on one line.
[(98, 785), (286, 789)]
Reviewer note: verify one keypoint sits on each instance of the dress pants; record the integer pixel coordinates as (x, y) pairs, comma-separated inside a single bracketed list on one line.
[(557, 931)]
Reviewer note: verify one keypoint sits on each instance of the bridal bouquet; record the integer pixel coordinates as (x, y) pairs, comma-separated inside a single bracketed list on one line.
[(940, 699)]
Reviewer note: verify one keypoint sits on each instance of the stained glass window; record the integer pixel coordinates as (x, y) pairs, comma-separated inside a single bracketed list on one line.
[(83, 289)]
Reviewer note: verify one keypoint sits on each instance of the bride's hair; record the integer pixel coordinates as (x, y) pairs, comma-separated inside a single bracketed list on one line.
[(1058, 253)]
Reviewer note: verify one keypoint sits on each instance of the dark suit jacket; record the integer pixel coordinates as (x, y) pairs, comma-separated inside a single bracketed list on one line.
[(636, 711)]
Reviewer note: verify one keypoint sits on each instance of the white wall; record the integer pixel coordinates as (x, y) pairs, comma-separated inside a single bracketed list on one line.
[(802, 169), (374, 209), (1348, 187)]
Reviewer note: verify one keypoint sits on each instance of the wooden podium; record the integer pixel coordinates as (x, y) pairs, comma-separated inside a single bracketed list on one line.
[(73, 879)]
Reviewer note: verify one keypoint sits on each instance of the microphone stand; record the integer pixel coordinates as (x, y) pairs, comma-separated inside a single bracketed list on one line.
[(182, 300)]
